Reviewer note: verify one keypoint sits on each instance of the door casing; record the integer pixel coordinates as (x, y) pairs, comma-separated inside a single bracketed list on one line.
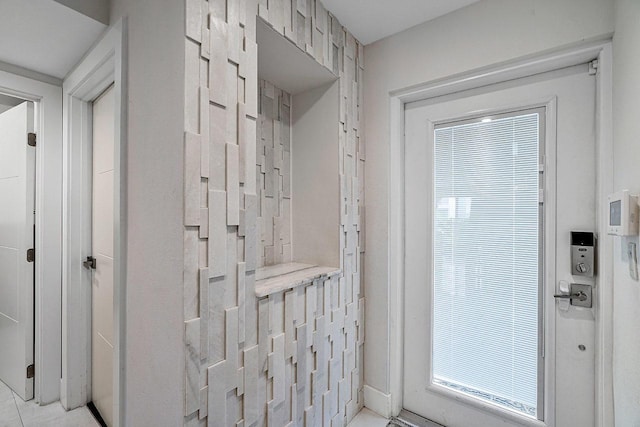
[(575, 55), (103, 66), (47, 99)]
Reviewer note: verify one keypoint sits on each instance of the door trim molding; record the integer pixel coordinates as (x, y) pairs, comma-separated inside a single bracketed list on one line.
[(604, 187), (47, 99), (104, 65), (520, 68)]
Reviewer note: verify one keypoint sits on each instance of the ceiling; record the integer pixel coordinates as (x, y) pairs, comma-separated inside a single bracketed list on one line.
[(49, 37), (44, 35), (372, 20)]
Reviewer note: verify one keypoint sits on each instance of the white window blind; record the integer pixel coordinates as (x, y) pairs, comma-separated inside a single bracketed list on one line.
[(487, 259)]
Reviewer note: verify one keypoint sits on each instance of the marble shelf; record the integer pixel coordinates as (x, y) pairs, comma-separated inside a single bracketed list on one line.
[(282, 277)]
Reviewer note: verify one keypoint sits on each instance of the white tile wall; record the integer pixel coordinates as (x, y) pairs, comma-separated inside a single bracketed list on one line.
[(291, 358), (273, 172)]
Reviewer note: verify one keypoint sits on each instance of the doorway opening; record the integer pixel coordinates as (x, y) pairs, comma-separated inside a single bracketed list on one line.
[(17, 245), (94, 231), (497, 346), (476, 82), (100, 262)]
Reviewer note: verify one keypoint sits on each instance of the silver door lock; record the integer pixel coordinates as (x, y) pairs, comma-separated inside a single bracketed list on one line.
[(579, 295), (583, 253)]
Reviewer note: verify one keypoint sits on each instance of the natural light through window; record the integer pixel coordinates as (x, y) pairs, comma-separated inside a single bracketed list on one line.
[(487, 268)]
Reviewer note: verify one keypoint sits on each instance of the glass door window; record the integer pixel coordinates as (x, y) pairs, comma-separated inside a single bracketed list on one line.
[(487, 258)]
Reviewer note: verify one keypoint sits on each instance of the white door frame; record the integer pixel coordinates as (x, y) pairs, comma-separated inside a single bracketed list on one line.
[(575, 55), (104, 65), (47, 99)]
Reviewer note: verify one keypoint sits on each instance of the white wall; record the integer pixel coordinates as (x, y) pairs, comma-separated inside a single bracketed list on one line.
[(483, 34), (316, 176), (154, 361), (626, 110)]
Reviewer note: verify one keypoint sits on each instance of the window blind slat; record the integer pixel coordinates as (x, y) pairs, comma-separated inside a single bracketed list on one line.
[(486, 260)]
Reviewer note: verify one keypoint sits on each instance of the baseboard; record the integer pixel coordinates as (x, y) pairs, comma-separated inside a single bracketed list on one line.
[(377, 401)]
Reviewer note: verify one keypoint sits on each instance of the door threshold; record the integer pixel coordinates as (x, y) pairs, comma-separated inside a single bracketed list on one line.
[(409, 419), (96, 414)]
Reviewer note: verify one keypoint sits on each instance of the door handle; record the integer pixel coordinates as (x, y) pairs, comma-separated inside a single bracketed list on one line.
[(90, 263), (580, 296)]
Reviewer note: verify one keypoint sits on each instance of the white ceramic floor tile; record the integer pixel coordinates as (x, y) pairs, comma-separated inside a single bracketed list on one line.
[(367, 418), (33, 414), (53, 415), (80, 417), (9, 416), (5, 392)]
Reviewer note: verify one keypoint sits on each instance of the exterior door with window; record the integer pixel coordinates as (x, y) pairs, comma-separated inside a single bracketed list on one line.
[(496, 179)]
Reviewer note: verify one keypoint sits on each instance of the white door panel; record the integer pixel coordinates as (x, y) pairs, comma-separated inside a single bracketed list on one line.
[(103, 288), (103, 213), (569, 205), (102, 247), (9, 290), (17, 203)]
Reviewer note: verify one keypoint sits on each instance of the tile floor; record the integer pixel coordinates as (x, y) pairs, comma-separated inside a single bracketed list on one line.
[(15, 412), (367, 418)]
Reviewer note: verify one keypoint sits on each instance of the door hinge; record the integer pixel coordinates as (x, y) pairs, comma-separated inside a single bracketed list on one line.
[(593, 67), (31, 371), (31, 139), (541, 196), (31, 255)]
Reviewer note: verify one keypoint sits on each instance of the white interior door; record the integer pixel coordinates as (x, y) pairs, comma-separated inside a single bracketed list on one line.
[(496, 179), (17, 219), (102, 244)]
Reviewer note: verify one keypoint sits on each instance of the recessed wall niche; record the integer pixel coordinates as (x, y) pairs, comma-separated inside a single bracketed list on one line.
[(240, 366), (297, 158)]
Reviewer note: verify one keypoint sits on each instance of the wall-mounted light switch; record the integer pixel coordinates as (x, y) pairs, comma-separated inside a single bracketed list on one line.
[(633, 260)]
